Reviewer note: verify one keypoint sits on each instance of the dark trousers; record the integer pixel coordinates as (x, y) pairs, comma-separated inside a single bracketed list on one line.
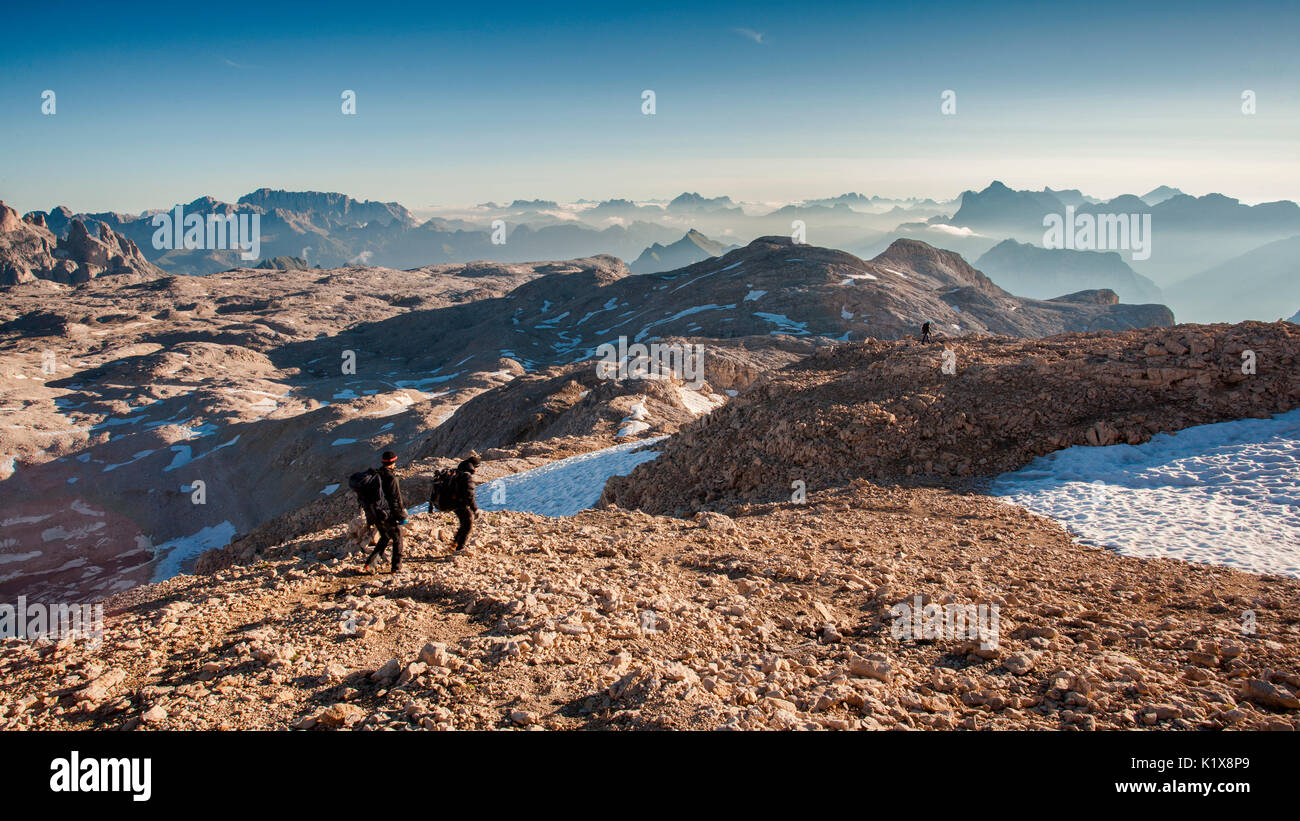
[(466, 525), (389, 531)]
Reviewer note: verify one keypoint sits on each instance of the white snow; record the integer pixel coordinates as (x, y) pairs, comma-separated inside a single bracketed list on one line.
[(697, 402), (137, 456), (85, 509), (845, 313), (329, 489), (566, 486), (1223, 494), (753, 296), (635, 422), (172, 554), (680, 314), (697, 279), (849, 278), (396, 404), (418, 384), (184, 454), (784, 324), (62, 534), (339, 442)]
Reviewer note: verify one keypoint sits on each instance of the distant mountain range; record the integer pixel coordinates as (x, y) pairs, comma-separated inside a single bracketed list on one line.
[(332, 230), (1212, 234), (1043, 273), (999, 210), (1199, 253), (1263, 283), (1160, 194), (692, 248)]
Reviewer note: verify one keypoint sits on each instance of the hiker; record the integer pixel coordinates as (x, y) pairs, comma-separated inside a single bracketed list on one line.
[(925, 331), (454, 490), (381, 501)]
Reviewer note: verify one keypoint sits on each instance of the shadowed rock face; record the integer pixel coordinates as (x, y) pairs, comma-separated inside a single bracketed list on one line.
[(30, 251), (238, 380), (887, 411)]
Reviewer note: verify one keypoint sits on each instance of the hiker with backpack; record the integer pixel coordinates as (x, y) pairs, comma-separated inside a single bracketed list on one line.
[(925, 331), (381, 501), (453, 490)]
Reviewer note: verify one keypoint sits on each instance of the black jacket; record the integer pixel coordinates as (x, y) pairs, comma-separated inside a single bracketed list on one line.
[(392, 493), (465, 486)]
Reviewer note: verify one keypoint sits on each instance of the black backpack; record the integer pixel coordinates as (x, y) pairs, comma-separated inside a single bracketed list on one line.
[(368, 487), (443, 496)]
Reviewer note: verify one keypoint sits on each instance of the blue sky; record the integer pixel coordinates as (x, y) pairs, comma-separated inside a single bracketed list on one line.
[(474, 102)]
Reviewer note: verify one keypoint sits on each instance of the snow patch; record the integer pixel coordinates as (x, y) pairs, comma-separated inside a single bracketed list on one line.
[(567, 486), (697, 402), (784, 324), (1222, 494), (170, 555), (636, 420)]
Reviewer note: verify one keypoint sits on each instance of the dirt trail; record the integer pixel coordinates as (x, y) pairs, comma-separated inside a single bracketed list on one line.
[(777, 617)]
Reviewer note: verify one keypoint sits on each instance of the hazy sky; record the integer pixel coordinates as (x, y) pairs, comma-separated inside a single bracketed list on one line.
[(471, 102)]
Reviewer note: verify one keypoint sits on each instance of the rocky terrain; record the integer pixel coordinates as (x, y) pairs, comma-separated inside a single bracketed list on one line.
[(148, 418), (535, 419), (778, 617), (576, 400), (30, 251), (888, 411), (763, 611), (118, 395)]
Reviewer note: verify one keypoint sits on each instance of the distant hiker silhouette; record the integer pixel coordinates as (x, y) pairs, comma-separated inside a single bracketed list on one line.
[(454, 490), (381, 501), (925, 331)]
